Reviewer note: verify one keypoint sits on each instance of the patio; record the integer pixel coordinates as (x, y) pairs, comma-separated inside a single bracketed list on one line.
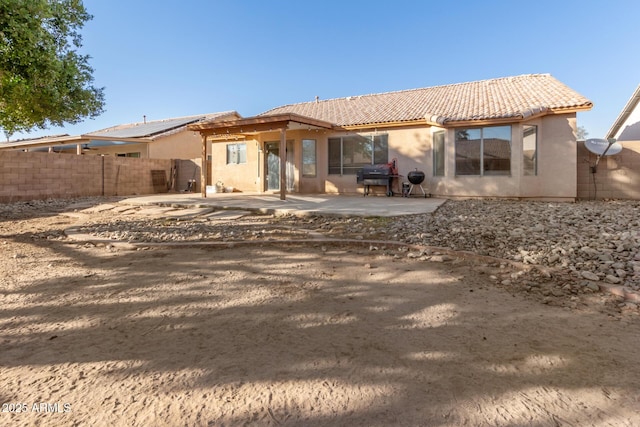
[(297, 204)]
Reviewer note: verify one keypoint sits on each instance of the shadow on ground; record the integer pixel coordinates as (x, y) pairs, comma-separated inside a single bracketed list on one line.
[(302, 335)]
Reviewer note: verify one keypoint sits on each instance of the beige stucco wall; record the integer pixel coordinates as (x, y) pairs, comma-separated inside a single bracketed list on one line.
[(112, 150), (412, 147), (556, 166), (243, 177), (451, 185), (181, 145)]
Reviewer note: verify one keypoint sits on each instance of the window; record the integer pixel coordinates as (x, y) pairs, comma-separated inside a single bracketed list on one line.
[(128, 155), (236, 154), (530, 150), (309, 157), (438, 153), (347, 154), (483, 151)]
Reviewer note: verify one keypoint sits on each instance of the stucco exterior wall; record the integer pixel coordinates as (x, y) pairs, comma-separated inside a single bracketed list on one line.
[(181, 145), (412, 146), (557, 163), (555, 179), (452, 185), (630, 129), (113, 150), (243, 177)]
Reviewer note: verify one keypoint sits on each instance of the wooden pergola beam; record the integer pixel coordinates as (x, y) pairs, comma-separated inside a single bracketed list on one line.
[(203, 168), (283, 163), (227, 129), (256, 124)]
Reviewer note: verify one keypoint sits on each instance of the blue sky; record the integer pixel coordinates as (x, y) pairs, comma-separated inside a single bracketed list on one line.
[(170, 58)]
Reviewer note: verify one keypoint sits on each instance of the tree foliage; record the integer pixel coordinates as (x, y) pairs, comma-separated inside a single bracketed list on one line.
[(43, 79), (581, 133)]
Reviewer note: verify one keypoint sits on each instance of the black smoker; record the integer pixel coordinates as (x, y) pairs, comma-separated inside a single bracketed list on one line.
[(382, 175)]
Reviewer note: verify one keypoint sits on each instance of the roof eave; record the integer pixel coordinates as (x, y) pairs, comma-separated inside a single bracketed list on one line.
[(383, 125), (573, 109), (44, 142), (111, 138), (625, 113), (521, 117), (481, 122), (256, 124)]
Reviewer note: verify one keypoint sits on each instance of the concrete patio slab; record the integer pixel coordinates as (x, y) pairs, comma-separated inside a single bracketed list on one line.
[(154, 211), (369, 206), (188, 213), (226, 215), (123, 209), (99, 208)]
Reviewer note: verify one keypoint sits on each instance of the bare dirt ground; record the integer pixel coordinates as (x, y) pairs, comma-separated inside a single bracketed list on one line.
[(316, 334)]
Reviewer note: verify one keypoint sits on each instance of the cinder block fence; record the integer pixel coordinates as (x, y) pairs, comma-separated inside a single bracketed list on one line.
[(34, 175), (40, 175), (616, 177)]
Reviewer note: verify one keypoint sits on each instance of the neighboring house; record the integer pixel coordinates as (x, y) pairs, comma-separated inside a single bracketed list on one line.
[(507, 137), (158, 139), (617, 176), (626, 128)]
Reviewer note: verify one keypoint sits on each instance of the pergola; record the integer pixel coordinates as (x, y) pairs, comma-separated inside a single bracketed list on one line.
[(222, 130)]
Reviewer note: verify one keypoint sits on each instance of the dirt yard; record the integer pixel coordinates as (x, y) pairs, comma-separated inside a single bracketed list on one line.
[(317, 334)]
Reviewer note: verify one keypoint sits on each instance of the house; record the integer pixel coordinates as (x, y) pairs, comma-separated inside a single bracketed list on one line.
[(616, 176), (626, 128), (158, 139), (506, 137)]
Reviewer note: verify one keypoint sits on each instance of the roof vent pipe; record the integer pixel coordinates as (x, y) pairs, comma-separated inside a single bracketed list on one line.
[(317, 98), (144, 119)]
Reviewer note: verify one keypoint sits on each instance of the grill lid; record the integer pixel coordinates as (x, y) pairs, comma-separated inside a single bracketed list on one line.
[(416, 177)]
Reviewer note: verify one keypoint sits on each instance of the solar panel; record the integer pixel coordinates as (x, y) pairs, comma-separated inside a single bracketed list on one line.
[(142, 130)]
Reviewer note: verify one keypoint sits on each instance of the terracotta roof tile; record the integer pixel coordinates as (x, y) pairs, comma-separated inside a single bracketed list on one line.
[(517, 97)]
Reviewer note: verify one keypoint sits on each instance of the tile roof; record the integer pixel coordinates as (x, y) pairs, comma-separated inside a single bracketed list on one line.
[(503, 98), (156, 128)]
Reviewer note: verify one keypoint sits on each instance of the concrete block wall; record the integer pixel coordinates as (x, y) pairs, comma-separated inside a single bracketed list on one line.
[(616, 177), (35, 175), (188, 170)]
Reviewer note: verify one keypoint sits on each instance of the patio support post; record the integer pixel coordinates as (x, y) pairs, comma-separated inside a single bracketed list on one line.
[(203, 168), (283, 163), (78, 149)]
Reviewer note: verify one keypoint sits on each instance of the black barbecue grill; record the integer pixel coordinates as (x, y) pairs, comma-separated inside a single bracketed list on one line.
[(382, 175), (415, 178)]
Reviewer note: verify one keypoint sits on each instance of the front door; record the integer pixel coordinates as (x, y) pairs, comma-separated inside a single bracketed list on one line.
[(272, 159)]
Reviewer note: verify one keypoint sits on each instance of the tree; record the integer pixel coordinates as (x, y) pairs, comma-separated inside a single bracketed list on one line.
[(43, 80), (581, 133)]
